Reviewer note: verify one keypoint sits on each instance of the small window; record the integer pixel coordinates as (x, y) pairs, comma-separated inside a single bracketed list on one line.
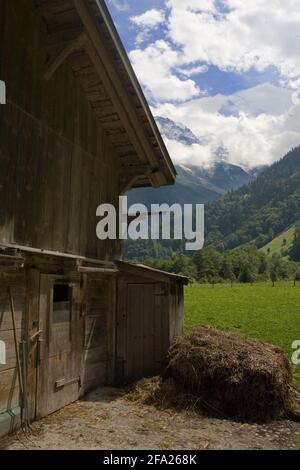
[(62, 298)]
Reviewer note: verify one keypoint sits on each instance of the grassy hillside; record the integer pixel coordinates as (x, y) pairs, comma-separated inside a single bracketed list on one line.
[(280, 244), (270, 314)]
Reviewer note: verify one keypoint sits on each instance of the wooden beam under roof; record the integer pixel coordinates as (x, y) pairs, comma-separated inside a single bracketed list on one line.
[(112, 82), (57, 61), (92, 17)]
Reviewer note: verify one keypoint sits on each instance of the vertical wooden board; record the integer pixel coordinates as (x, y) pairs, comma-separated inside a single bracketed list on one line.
[(148, 312), (133, 352), (44, 194), (179, 312), (165, 327), (8, 159), (25, 172), (138, 330), (11, 358), (77, 328), (121, 331), (32, 329), (43, 363), (92, 199), (84, 206), (20, 157), (74, 217), (162, 318), (158, 341), (5, 313), (2, 35), (111, 330), (9, 390), (172, 311), (61, 195)]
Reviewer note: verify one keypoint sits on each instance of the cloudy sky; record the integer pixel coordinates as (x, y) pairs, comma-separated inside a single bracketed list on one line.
[(227, 69)]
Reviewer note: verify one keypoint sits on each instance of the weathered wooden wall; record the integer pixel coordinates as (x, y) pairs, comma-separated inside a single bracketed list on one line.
[(176, 309), (56, 163), (9, 383)]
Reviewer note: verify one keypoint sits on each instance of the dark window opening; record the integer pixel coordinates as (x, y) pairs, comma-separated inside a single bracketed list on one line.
[(61, 293), (62, 298)]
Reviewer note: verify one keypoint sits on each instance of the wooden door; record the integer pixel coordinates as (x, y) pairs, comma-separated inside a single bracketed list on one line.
[(147, 330), (60, 345)]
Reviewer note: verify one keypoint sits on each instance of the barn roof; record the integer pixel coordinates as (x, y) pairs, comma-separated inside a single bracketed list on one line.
[(152, 273), (15, 255), (82, 32)]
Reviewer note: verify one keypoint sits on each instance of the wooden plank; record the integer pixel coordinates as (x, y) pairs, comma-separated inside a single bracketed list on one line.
[(9, 390), (8, 338), (121, 331), (57, 61), (43, 345), (95, 332), (32, 328), (111, 331), (5, 315), (148, 313)]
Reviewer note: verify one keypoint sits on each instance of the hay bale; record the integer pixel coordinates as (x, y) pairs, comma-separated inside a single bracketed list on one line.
[(230, 375)]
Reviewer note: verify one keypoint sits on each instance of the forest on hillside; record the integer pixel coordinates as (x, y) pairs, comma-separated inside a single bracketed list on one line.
[(258, 211)]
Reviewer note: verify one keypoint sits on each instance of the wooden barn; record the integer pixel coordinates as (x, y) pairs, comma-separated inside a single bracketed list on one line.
[(75, 132)]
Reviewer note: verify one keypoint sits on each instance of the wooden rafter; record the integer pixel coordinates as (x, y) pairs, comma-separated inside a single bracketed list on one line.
[(57, 61)]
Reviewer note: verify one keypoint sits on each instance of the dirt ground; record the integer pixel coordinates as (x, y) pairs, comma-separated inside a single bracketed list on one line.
[(107, 420)]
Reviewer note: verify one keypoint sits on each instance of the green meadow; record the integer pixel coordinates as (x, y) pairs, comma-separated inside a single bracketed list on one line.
[(270, 314)]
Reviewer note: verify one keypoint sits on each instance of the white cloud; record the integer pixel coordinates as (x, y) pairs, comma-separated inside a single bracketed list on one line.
[(257, 125), (254, 34), (192, 5), (190, 72), (154, 65), (120, 5), (147, 22), (149, 19), (260, 132)]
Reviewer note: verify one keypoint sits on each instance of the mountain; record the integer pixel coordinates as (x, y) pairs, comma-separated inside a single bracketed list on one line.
[(258, 211), (194, 184), (176, 131), (221, 177)]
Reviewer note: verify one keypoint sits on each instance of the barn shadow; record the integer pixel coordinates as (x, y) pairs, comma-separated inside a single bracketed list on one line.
[(104, 395)]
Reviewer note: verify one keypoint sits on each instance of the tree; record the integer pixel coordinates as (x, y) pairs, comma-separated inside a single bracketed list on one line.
[(208, 264), (273, 276), (296, 274), (295, 251), (227, 268), (247, 274)]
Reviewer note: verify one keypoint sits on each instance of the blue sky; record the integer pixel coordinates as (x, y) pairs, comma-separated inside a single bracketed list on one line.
[(227, 69)]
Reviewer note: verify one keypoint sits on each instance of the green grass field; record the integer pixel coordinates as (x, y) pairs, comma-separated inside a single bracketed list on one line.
[(277, 245), (271, 314)]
